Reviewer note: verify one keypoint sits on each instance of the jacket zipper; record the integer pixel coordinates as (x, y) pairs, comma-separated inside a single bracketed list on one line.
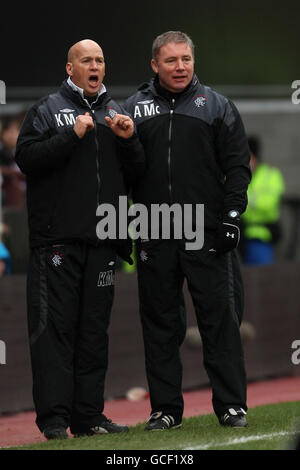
[(169, 149), (97, 160)]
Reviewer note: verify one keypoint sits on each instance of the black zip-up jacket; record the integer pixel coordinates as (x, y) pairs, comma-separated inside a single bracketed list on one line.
[(196, 149), (68, 177)]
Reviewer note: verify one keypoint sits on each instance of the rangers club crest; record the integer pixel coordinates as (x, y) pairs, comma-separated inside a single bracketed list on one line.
[(112, 112), (57, 258), (143, 255), (200, 100)]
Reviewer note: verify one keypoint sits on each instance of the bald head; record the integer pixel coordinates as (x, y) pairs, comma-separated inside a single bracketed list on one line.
[(86, 66), (81, 46)]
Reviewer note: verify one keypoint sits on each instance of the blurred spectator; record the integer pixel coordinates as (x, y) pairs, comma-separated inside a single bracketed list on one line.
[(4, 260), (261, 221), (13, 188)]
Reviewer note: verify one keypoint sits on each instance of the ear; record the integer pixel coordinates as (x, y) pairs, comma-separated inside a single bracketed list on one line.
[(154, 66), (69, 68)]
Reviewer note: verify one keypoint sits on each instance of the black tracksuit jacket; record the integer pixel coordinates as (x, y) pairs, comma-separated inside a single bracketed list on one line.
[(68, 177), (196, 149)]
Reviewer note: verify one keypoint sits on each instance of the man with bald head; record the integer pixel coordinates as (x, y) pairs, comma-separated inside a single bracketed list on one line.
[(84, 59), (78, 149)]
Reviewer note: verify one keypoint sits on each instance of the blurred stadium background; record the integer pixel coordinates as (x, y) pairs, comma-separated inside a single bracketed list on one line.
[(245, 50)]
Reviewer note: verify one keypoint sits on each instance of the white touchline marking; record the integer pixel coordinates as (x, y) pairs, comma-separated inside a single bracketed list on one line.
[(241, 440)]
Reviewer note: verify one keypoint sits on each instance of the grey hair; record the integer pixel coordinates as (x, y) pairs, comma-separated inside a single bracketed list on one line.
[(170, 36)]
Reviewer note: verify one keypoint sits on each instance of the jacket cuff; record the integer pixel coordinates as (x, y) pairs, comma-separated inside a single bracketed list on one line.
[(126, 142), (72, 134)]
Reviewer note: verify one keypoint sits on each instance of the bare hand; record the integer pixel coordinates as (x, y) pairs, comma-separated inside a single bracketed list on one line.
[(83, 124), (121, 125)]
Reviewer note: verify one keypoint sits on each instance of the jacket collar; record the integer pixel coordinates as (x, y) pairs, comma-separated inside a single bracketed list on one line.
[(81, 92), (75, 93)]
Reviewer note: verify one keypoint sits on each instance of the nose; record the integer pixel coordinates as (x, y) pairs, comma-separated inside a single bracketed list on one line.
[(180, 65), (94, 64)]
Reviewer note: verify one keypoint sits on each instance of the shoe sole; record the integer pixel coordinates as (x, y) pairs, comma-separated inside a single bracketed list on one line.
[(104, 431), (165, 429), (51, 438)]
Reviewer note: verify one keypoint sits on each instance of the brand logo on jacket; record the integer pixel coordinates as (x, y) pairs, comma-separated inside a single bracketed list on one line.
[(106, 278), (145, 102), (200, 100), (145, 108)]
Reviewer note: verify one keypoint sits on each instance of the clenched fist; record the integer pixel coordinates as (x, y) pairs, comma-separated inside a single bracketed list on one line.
[(83, 124), (121, 125)]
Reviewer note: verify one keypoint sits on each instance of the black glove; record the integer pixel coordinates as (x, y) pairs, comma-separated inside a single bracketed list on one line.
[(228, 233)]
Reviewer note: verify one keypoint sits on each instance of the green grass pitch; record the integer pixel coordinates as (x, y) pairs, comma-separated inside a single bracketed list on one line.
[(271, 427)]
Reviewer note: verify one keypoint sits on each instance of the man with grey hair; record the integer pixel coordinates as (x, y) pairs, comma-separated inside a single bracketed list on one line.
[(196, 153), (176, 37)]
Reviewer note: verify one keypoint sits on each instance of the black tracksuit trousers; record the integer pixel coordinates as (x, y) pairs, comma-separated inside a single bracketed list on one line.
[(70, 292), (215, 284)]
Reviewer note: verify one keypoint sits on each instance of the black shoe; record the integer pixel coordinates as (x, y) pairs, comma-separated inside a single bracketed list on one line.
[(55, 432), (160, 422), (234, 418), (103, 427)]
